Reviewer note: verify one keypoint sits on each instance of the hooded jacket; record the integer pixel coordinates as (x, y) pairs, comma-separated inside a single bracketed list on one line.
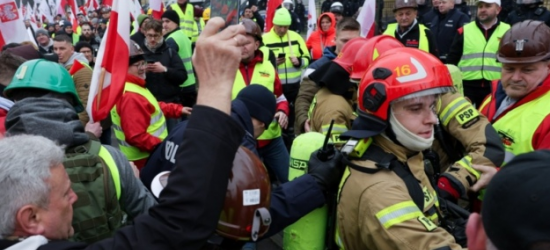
[(56, 120), (319, 39), (82, 78)]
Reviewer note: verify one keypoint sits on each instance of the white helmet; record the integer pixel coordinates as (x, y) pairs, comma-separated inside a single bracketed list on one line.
[(337, 7)]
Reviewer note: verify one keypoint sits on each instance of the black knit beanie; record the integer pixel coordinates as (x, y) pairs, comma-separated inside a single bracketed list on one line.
[(260, 102), (172, 16)]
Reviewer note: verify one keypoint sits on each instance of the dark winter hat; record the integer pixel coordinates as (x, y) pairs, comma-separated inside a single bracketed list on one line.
[(515, 206), (82, 44), (172, 16), (41, 32), (259, 101)]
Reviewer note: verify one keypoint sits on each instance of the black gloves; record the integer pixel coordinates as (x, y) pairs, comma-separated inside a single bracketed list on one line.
[(326, 168)]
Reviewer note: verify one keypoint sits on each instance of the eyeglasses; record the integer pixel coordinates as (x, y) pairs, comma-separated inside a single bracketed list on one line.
[(152, 36)]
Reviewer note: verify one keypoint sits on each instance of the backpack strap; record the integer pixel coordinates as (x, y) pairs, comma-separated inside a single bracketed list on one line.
[(388, 161)]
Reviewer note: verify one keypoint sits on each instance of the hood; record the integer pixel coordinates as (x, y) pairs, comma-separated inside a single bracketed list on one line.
[(52, 118), (332, 28), (78, 56), (240, 114), (330, 52)]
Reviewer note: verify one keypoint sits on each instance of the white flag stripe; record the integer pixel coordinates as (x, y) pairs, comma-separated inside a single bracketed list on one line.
[(311, 17), (366, 17)]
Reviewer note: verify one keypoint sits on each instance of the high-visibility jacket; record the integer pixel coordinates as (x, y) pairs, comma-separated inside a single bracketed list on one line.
[(157, 126), (479, 60), (185, 53), (517, 126), (287, 72), (264, 74), (197, 29), (187, 19), (422, 39)]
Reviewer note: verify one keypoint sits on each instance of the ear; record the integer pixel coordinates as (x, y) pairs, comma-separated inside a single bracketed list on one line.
[(28, 221), (475, 233)]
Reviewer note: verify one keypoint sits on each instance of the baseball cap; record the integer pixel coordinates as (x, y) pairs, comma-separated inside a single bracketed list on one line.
[(516, 203), (490, 1)]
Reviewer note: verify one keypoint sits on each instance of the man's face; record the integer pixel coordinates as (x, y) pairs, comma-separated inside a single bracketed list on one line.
[(342, 37), (487, 12), (248, 50), (518, 80), (51, 28), (57, 27), (153, 38), (87, 53), (138, 69), (87, 31), (69, 30), (58, 216), (81, 18), (63, 50), (106, 15), (417, 115), (182, 1), (43, 39), (281, 30), (168, 26), (446, 6), (248, 13), (338, 17), (405, 17)]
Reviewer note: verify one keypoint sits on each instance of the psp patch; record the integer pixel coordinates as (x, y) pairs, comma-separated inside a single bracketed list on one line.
[(467, 117), (428, 224)]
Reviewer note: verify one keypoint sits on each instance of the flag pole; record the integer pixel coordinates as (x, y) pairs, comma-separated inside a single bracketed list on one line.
[(100, 88)]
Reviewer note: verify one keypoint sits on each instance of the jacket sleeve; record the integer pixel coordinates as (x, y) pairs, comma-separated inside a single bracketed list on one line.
[(135, 198), (135, 116), (282, 103), (171, 110), (188, 209), (541, 138), (291, 201), (455, 52), (172, 44), (431, 43), (308, 89), (176, 73), (480, 141), (82, 80), (389, 219), (320, 122)]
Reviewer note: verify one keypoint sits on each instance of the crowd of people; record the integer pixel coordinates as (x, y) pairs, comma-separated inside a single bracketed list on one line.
[(431, 135)]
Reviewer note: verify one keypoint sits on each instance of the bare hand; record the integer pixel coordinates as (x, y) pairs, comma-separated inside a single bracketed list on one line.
[(186, 110), (156, 67), (254, 8), (487, 173), (294, 61), (307, 128), (134, 169), (94, 128), (282, 119), (280, 60), (224, 48)]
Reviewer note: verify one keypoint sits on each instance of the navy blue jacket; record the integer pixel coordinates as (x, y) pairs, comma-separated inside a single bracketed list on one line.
[(429, 16), (289, 202), (328, 55), (444, 28)]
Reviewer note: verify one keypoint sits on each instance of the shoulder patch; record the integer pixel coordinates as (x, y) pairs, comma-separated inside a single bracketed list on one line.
[(428, 224), (467, 115)]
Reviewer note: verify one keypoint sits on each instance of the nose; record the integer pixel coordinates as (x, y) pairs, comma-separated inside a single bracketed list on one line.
[(431, 118), (516, 76)]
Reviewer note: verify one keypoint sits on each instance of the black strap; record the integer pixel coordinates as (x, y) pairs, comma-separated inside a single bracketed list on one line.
[(388, 161)]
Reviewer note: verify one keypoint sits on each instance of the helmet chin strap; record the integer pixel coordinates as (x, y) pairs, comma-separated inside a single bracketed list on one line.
[(408, 139)]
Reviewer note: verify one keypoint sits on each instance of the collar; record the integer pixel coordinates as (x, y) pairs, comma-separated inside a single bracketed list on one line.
[(413, 25), (135, 80), (387, 145), (492, 26)]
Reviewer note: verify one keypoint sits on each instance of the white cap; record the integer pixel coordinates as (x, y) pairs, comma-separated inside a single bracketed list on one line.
[(490, 1), (159, 182)]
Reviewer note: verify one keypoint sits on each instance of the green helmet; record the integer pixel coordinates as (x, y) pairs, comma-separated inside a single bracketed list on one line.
[(42, 74)]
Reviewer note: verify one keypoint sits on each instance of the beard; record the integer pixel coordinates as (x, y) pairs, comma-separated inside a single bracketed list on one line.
[(156, 46)]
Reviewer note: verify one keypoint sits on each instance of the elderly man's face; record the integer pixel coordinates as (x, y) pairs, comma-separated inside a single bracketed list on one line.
[(520, 79), (57, 218)]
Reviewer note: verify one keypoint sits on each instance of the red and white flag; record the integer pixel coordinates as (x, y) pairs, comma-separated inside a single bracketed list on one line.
[(111, 64), (311, 17), (12, 27), (135, 12), (366, 18), (157, 7), (74, 11), (45, 11), (30, 16), (272, 6), (92, 5)]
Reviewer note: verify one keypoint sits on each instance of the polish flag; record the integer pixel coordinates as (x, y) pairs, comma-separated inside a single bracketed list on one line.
[(272, 6), (135, 12), (45, 11), (31, 18), (109, 74), (366, 18), (311, 17), (92, 5), (12, 27), (74, 10), (158, 8)]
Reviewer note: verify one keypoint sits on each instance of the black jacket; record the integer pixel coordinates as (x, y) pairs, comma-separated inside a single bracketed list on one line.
[(529, 12), (95, 41), (289, 202), (139, 38), (457, 48), (429, 17), (165, 86), (444, 28), (411, 39), (191, 204)]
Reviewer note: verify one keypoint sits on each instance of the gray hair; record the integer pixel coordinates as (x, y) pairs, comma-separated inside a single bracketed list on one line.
[(25, 163)]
